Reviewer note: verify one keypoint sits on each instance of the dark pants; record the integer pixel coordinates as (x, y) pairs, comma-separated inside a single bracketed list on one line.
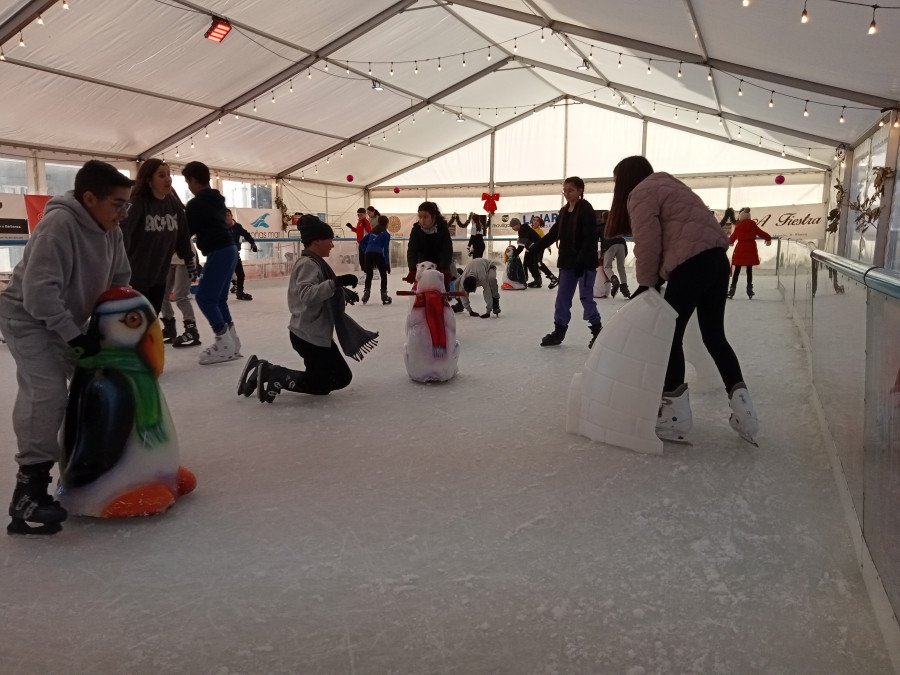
[(326, 369), (534, 263), (154, 294), (737, 274), (239, 273), (568, 284), (701, 283), (374, 259)]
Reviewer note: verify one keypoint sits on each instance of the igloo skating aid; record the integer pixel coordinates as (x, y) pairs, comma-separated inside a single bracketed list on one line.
[(615, 399)]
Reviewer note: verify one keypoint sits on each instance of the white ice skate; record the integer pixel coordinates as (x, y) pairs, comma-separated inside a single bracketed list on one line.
[(675, 419), (235, 339), (743, 417), (220, 351)]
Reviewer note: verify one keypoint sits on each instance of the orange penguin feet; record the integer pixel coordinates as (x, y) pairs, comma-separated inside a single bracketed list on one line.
[(143, 501), (187, 481)]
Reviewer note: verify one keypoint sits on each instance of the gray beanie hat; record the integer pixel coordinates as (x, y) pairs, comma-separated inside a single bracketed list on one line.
[(514, 221)]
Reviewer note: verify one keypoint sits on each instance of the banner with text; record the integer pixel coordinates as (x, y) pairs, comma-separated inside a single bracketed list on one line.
[(795, 221)]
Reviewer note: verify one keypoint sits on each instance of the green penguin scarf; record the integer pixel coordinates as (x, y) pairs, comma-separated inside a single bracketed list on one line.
[(148, 422)]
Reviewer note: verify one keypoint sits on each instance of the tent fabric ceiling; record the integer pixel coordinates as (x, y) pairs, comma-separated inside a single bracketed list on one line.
[(138, 78)]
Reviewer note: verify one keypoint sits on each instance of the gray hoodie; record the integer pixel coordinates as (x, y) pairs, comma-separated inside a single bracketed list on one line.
[(68, 262), (309, 299)]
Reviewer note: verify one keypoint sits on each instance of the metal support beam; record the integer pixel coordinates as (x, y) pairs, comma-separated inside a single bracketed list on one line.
[(692, 17), (283, 76), (679, 55), (461, 144), (844, 206), (399, 116), (22, 17), (882, 257)]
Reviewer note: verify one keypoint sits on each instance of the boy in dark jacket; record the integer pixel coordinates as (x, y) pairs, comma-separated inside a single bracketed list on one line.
[(206, 221), (74, 255), (237, 231), (530, 241)]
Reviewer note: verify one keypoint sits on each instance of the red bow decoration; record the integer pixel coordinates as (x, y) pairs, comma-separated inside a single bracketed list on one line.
[(490, 201)]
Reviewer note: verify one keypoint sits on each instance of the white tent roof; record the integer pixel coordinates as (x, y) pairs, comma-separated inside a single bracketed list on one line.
[(138, 79)]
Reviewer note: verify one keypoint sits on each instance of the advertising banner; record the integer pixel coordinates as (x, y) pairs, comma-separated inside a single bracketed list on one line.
[(13, 217), (795, 221), (260, 223), (34, 206)]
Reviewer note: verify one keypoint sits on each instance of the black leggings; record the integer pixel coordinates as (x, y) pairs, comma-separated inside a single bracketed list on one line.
[(154, 294), (737, 274), (326, 369), (701, 283), (534, 263), (374, 259)]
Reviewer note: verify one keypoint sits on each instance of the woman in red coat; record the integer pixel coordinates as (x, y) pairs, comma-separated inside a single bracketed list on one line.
[(745, 253)]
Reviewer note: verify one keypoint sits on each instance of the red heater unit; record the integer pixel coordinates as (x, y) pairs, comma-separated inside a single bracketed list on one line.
[(219, 29)]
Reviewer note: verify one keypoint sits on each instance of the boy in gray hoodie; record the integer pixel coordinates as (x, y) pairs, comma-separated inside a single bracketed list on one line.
[(75, 254)]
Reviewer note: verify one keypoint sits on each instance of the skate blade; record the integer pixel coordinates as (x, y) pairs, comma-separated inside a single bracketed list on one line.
[(243, 388), (678, 439), (749, 439), (19, 527)]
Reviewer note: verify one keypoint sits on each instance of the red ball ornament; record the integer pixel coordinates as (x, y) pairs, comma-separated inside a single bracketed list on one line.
[(779, 179), (349, 177), (396, 191)]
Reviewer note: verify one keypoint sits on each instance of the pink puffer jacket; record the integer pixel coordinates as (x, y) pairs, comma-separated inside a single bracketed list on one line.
[(670, 224)]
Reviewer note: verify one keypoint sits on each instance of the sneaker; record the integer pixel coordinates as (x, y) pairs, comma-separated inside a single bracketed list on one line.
[(247, 383), (220, 351), (743, 417), (674, 419)]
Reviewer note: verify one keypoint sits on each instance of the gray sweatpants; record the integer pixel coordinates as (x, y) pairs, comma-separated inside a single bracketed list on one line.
[(178, 283), (615, 252), (44, 364)]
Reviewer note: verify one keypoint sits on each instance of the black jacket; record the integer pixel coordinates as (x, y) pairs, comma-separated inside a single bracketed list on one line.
[(237, 231), (436, 247), (528, 239), (577, 234), (206, 220)]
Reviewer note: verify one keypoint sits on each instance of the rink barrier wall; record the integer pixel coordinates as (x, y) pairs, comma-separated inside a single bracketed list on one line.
[(848, 314)]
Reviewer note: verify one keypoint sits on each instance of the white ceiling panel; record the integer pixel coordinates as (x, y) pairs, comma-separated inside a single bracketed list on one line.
[(65, 113)]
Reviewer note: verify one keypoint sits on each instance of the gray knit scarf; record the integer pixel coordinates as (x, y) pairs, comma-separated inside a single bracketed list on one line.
[(355, 340)]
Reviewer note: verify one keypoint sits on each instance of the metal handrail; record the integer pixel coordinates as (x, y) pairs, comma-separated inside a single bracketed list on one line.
[(871, 276)]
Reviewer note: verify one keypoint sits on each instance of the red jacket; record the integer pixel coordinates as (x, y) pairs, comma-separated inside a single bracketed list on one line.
[(361, 229), (745, 233)]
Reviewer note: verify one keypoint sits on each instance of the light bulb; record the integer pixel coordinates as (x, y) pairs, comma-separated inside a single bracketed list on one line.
[(709, 75), (40, 20), (679, 69), (842, 116), (806, 109), (620, 60), (649, 72), (21, 40), (804, 18), (772, 100)]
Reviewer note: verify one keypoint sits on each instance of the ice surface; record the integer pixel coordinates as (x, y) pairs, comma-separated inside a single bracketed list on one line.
[(396, 527)]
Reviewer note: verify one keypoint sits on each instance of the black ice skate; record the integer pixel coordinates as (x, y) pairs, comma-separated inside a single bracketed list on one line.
[(556, 337), (247, 383), (496, 308), (266, 389), (595, 331), (241, 295), (385, 298), (169, 331), (615, 286), (190, 337), (31, 503)]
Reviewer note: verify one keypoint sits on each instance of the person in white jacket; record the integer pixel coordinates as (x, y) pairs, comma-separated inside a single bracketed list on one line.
[(480, 272)]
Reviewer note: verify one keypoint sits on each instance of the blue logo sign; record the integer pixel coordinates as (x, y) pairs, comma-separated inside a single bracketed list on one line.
[(261, 221)]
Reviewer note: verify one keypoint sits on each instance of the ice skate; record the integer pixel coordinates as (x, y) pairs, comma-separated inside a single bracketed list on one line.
[(595, 331), (266, 387), (385, 298), (743, 417), (613, 291), (235, 338), (31, 503), (222, 350), (365, 296), (625, 292), (190, 337), (534, 284), (169, 332), (674, 420), (554, 282), (731, 291), (555, 337), (241, 295), (247, 383), (750, 292)]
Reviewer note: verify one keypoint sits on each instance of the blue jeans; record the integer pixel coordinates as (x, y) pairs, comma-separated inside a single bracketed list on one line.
[(212, 293), (566, 291)]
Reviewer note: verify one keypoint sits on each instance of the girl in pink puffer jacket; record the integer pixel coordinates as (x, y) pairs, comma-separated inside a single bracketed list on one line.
[(677, 240)]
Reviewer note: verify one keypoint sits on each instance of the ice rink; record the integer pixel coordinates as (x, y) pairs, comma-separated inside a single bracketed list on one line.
[(395, 527)]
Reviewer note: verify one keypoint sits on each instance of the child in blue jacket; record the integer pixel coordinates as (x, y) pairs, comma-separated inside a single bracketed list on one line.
[(376, 247)]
